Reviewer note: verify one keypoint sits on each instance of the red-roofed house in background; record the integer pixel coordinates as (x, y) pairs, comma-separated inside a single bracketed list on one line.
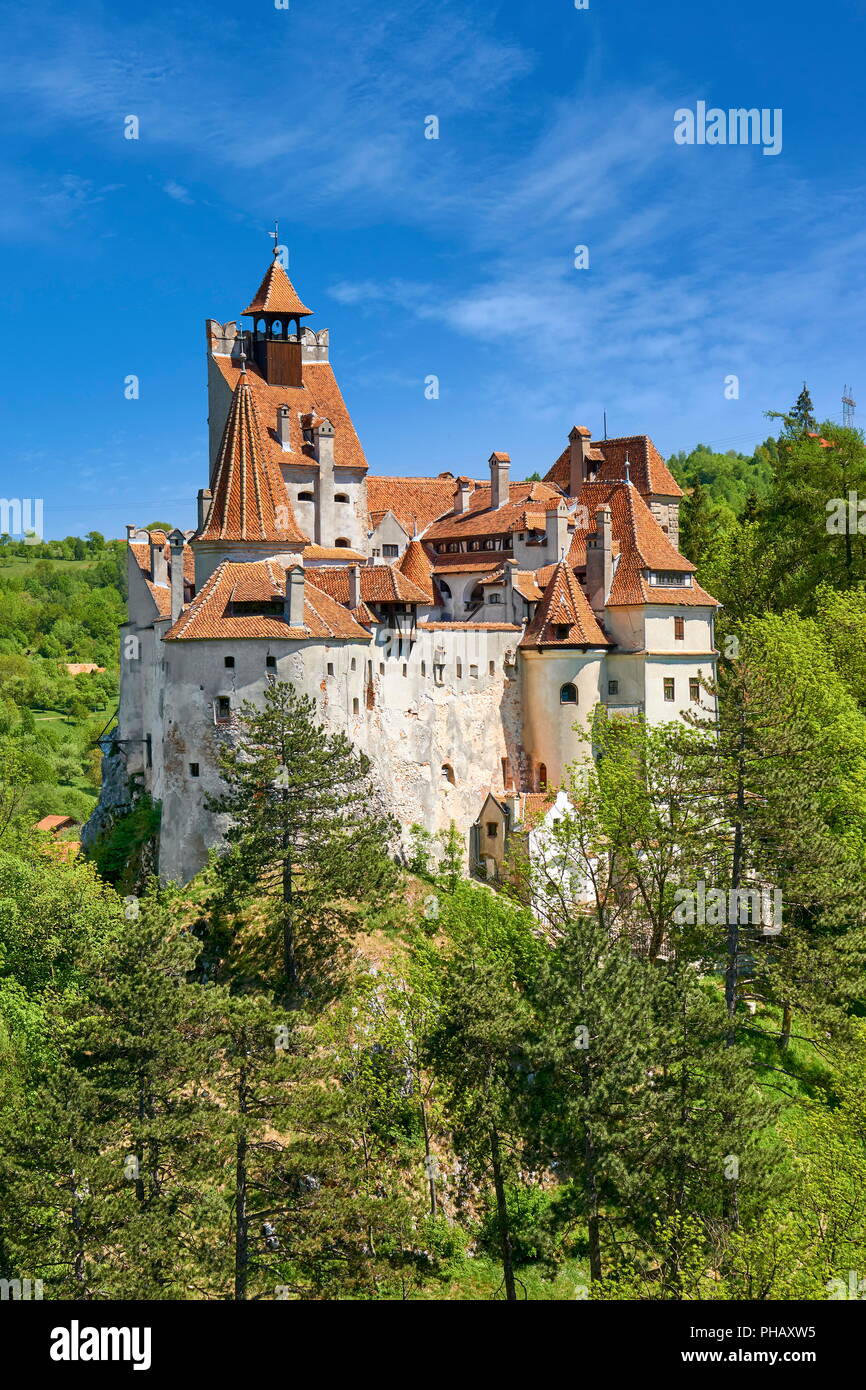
[(459, 630)]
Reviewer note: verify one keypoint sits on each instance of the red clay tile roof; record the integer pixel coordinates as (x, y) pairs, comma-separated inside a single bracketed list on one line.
[(333, 552), (462, 564), (319, 394), (524, 581), (480, 519), (379, 584), (55, 823), (250, 502), (276, 294), (649, 472), (469, 627), (564, 606), (161, 594), (209, 615), (413, 501), (416, 567)]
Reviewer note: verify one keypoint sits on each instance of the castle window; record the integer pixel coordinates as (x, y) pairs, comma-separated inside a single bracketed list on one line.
[(694, 690), (669, 687), (473, 672), (495, 598), (492, 830), (405, 669), (230, 663), (330, 668), (506, 773), (453, 547), (448, 773), (474, 545), (492, 668), (423, 668), (306, 497), (562, 631), (459, 668), (223, 709), (271, 663), (613, 687), (193, 769), (356, 709), (257, 608), (679, 629), (491, 545), (542, 777), (568, 694), (390, 552), (343, 542), (381, 668), (354, 665), (341, 497)]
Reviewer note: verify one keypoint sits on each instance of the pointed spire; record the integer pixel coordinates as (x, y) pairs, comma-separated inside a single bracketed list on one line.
[(563, 617), (415, 565), (276, 294), (250, 502)]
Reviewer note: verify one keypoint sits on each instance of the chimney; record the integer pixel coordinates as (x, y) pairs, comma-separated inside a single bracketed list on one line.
[(578, 468), (557, 540), (323, 443), (176, 541), (465, 488), (295, 596), (283, 434), (599, 561), (205, 497), (354, 586), (509, 571), (158, 563), (131, 529), (499, 466)]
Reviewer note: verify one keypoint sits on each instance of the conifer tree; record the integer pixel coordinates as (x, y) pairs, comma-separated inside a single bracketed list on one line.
[(306, 828)]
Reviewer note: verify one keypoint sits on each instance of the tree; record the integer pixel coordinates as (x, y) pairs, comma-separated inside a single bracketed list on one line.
[(306, 830)]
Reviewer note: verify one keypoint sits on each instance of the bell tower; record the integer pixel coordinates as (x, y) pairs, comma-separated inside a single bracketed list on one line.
[(276, 310)]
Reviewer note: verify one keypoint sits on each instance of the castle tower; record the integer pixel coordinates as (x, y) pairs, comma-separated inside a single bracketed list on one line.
[(250, 516), (276, 310)]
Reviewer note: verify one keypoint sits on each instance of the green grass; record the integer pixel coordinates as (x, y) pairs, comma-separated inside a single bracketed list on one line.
[(479, 1280), (21, 564)]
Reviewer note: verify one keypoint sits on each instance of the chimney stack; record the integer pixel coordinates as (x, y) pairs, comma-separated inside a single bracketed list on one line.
[(295, 596), (205, 498), (176, 541), (323, 443), (557, 540), (599, 561), (158, 563), (499, 468), (283, 434), (354, 586), (578, 448), (509, 571), (465, 488)]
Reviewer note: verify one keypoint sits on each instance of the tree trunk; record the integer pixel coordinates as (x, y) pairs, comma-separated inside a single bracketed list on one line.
[(241, 1216), (733, 934), (502, 1218), (785, 1034), (431, 1176)]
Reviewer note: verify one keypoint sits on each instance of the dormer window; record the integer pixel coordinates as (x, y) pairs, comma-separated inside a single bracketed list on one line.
[(306, 497), (258, 608), (669, 579), (341, 497)]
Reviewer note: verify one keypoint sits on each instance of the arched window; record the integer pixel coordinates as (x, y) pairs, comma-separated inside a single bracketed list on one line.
[(542, 777), (444, 589), (342, 540), (306, 497), (341, 497), (448, 773), (568, 694)]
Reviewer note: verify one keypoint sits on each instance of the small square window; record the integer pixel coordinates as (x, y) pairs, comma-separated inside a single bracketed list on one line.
[(492, 668), (390, 552), (694, 690), (223, 708), (613, 687), (473, 671), (230, 662), (669, 688), (492, 830), (193, 769), (330, 668), (271, 663)]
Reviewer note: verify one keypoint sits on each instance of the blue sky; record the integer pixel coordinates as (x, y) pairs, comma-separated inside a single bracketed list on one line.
[(452, 257)]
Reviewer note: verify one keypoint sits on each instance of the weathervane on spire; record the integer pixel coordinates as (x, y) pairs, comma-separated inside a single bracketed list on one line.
[(276, 236), (627, 469)]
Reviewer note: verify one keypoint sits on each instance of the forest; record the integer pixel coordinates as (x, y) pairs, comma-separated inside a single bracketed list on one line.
[(324, 1070)]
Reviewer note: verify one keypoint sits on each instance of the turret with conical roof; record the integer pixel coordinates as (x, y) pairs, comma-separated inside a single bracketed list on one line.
[(276, 309), (250, 515)]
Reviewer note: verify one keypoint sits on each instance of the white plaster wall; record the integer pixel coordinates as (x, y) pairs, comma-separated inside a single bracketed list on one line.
[(549, 733)]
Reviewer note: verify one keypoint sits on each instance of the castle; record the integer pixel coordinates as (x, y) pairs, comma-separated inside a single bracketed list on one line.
[(456, 629)]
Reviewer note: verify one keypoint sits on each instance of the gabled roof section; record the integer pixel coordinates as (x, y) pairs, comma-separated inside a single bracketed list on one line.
[(276, 294), (525, 509), (210, 617), (379, 584), (414, 564), (564, 618), (319, 396), (250, 502), (648, 470), (414, 502)]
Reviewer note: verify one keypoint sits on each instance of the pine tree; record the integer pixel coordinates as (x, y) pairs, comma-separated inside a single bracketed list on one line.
[(306, 830)]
